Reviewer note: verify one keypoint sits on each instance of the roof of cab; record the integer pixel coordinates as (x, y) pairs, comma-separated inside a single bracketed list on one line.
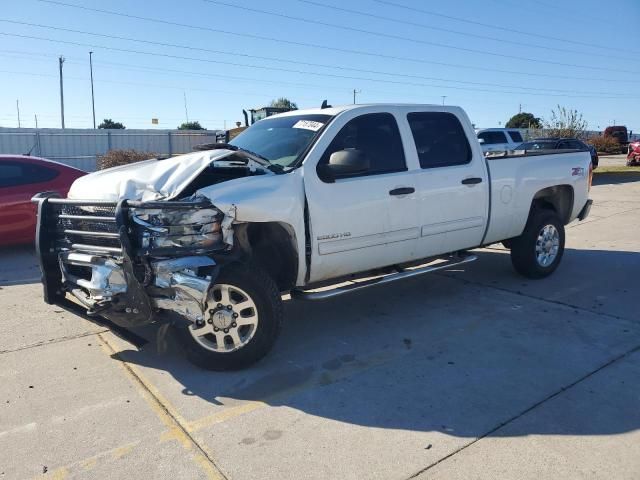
[(343, 108)]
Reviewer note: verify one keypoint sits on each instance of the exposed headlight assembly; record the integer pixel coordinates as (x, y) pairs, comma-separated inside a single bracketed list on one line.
[(193, 225)]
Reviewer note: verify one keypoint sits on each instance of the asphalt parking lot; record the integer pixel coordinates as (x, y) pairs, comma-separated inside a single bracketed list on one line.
[(472, 373)]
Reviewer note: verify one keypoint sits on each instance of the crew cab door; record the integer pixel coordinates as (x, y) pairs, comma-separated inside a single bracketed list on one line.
[(453, 185), (366, 220)]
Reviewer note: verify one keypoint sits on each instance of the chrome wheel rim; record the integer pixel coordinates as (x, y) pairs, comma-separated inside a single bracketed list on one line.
[(230, 322), (547, 245)]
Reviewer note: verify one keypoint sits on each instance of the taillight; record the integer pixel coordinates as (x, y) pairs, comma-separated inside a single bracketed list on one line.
[(590, 175)]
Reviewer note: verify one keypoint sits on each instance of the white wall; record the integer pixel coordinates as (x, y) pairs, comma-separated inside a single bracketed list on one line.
[(81, 147)]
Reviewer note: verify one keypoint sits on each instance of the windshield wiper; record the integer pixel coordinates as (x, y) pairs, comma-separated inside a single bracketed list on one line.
[(257, 155)]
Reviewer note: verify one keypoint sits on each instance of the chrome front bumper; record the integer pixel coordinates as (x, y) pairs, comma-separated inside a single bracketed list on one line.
[(107, 276), (182, 290), (86, 248)]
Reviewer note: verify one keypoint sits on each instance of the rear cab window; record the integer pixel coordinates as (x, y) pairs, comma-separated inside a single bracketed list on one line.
[(439, 139)]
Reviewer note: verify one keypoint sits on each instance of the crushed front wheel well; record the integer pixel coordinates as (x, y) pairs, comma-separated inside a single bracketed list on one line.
[(272, 246), (558, 198)]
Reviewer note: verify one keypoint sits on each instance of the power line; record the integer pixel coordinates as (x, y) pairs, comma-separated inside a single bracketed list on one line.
[(336, 67), (200, 73), (488, 25), (414, 40), (244, 77), (326, 47), (558, 6), (305, 85), (395, 82), (140, 84), (458, 32)]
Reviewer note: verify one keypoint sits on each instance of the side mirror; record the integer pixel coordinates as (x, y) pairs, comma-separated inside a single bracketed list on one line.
[(342, 163)]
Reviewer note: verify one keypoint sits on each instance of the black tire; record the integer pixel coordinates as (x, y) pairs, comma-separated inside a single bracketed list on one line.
[(523, 248), (265, 295)]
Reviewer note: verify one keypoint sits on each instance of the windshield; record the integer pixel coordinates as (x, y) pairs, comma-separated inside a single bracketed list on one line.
[(281, 140), (537, 146)]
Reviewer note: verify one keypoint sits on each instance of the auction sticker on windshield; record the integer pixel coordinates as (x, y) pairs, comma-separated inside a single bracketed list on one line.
[(308, 125)]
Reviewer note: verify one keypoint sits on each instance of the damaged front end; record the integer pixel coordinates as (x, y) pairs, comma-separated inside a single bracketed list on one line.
[(128, 261)]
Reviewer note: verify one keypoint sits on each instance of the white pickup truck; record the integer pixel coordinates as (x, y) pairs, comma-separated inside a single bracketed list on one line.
[(209, 241)]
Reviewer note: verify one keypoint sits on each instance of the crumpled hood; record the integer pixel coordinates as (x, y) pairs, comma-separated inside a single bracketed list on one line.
[(147, 180)]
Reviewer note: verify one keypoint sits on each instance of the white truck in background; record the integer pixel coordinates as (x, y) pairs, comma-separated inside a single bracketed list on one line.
[(210, 240), (499, 139)]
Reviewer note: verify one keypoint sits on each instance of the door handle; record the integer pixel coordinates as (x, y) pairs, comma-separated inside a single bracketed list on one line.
[(471, 181), (402, 191)]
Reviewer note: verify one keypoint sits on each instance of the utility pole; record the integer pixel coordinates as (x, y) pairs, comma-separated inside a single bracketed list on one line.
[(36, 117), (355, 92), (93, 101), (443, 97), (61, 61), (186, 112), (18, 108), (519, 108)]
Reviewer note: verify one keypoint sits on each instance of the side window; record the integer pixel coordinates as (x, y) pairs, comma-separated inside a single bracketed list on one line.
[(491, 138), (515, 136), (39, 174), (440, 139), (377, 136), (13, 174)]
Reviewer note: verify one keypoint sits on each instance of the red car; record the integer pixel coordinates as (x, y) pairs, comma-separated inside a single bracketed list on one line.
[(21, 177), (633, 156)]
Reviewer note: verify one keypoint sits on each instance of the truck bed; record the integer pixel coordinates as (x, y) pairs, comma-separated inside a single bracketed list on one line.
[(513, 187)]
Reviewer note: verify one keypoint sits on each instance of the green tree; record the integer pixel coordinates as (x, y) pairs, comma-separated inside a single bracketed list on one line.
[(524, 120), (284, 102), (191, 126), (565, 122), (107, 123)]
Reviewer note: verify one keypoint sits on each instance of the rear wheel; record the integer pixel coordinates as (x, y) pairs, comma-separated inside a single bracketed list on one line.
[(538, 251), (242, 321)]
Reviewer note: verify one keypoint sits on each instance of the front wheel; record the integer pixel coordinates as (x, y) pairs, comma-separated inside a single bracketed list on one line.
[(242, 321), (538, 251)]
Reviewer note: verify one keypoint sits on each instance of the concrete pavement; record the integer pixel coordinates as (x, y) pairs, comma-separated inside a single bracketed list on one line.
[(475, 373)]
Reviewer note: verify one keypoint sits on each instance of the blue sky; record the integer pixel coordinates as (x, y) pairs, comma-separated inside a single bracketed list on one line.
[(581, 54)]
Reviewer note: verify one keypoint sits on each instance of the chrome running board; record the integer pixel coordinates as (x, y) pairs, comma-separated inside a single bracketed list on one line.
[(392, 277)]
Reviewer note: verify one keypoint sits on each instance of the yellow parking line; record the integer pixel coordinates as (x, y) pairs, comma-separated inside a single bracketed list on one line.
[(199, 455), (179, 429), (90, 463)]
